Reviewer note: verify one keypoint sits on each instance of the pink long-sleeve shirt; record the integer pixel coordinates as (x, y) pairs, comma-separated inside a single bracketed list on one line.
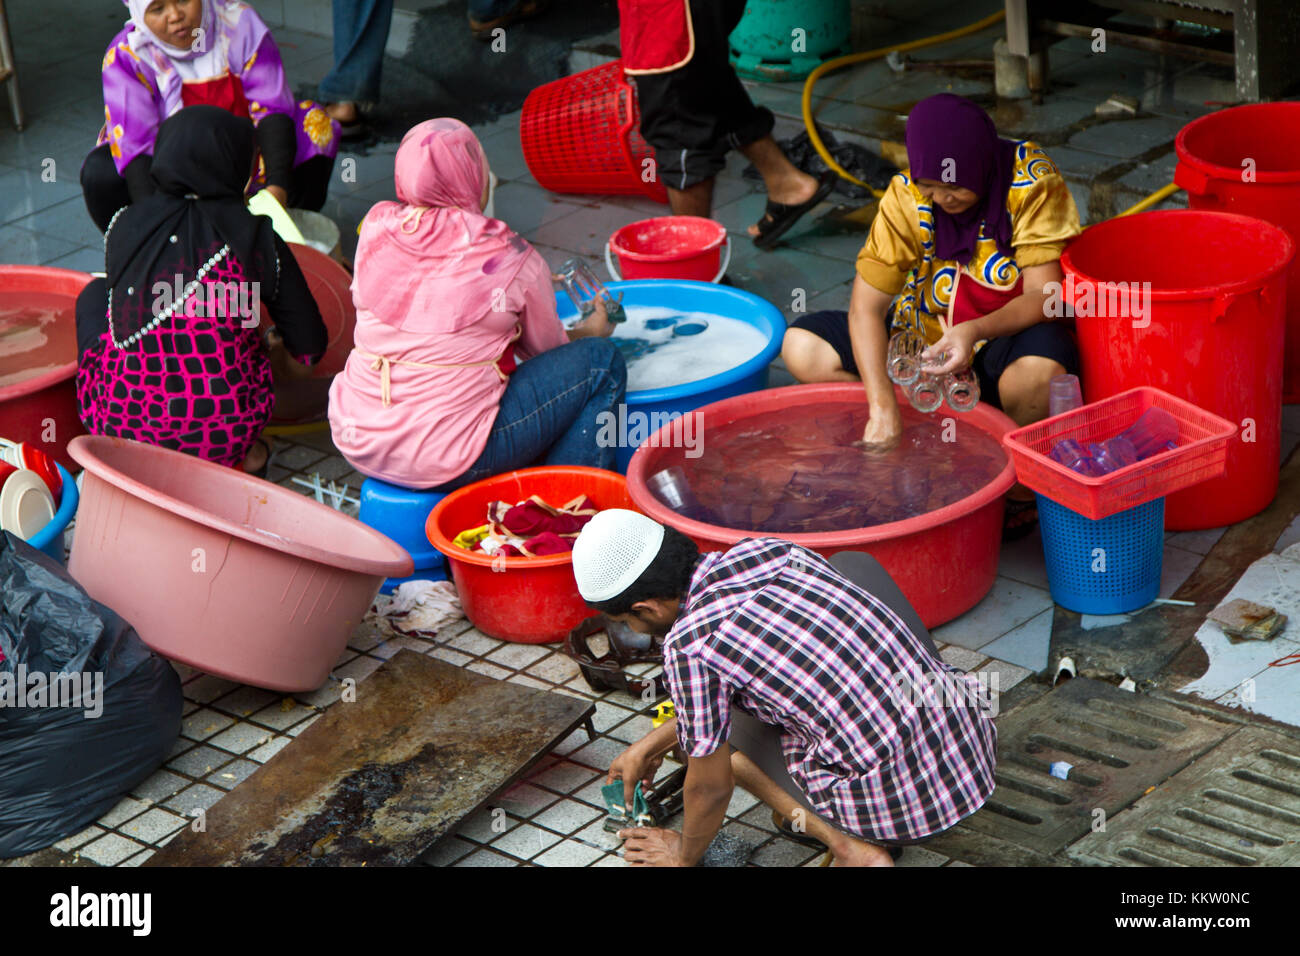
[(440, 418)]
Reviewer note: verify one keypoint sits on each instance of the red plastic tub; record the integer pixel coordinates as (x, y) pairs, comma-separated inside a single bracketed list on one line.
[(944, 561), (1213, 336), (220, 570), (581, 134), (38, 357), (669, 247), (1247, 160), (525, 600)]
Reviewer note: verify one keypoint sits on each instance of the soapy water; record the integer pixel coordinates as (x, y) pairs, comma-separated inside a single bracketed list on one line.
[(658, 358), (805, 472), (37, 335)]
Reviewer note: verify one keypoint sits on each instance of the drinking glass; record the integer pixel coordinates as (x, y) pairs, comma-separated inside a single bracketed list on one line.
[(904, 361), (1063, 394), (962, 390), (583, 289), (925, 393)]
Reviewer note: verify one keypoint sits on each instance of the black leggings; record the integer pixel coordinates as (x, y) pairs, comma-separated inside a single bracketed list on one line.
[(105, 190)]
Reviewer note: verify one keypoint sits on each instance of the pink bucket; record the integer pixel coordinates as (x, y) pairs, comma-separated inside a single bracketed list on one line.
[(669, 247)]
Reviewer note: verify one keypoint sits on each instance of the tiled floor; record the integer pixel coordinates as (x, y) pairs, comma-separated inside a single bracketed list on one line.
[(553, 818)]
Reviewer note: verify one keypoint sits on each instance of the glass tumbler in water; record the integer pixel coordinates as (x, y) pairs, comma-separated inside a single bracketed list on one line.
[(904, 359), (962, 390), (925, 393)]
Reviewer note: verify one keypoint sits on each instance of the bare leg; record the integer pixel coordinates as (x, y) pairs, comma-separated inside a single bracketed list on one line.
[(257, 456), (810, 358), (785, 182), (846, 850), (1023, 391), (694, 200)]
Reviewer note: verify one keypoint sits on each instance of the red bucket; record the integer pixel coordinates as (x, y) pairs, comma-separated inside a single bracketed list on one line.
[(1212, 336), (581, 134), (1247, 160), (526, 600), (669, 247)]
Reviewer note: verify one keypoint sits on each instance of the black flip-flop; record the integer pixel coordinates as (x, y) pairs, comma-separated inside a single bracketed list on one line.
[(1014, 527), (786, 830), (783, 216)]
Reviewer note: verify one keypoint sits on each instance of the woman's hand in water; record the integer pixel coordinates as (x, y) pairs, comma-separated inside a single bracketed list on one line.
[(884, 428), (958, 343), (596, 324)]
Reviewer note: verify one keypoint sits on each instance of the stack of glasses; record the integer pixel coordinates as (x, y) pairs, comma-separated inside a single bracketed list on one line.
[(1156, 431), (925, 390)]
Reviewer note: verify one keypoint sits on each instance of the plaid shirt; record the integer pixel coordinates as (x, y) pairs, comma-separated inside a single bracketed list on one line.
[(774, 628)]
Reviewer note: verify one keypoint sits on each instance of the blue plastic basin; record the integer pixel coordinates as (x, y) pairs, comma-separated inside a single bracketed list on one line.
[(689, 296), (50, 538)]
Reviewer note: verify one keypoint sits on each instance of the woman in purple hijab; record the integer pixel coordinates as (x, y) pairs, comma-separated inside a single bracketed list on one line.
[(962, 249)]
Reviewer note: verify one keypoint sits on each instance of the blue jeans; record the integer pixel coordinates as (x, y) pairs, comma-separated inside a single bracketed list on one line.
[(360, 33), (550, 412)]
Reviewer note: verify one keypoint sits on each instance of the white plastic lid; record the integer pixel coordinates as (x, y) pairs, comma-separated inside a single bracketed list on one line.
[(26, 505)]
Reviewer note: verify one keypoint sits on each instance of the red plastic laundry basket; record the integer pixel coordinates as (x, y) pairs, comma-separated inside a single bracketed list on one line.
[(580, 134)]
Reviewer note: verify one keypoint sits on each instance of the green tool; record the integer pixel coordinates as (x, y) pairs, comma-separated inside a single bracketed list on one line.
[(618, 817)]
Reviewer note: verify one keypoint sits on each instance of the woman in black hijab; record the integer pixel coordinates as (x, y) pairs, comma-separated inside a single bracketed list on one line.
[(170, 348)]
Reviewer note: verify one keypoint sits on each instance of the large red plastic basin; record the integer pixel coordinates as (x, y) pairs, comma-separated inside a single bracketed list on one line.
[(1246, 160), (1213, 337), (222, 571), (944, 561), (38, 370), (526, 600)]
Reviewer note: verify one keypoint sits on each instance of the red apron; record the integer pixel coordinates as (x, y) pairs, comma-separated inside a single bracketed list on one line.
[(655, 35), (225, 91)]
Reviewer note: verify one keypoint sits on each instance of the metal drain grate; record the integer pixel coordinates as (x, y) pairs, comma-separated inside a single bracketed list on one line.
[(1116, 744), (1237, 806)]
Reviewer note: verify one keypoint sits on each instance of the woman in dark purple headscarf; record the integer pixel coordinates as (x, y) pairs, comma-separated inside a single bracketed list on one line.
[(962, 247)]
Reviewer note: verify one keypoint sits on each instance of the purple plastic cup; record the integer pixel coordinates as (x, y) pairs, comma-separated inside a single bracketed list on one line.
[(1152, 432)]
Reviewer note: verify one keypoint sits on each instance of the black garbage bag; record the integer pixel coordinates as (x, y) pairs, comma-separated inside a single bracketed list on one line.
[(87, 711), (855, 159)]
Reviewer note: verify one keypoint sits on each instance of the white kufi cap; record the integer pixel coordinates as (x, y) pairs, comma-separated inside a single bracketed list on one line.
[(612, 551)]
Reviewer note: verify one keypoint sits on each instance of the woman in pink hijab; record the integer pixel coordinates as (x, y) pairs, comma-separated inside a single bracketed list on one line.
[(449, 301)]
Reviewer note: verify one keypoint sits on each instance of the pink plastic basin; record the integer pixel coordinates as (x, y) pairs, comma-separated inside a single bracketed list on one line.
[(944, 561), (222, 571), (38, 357)]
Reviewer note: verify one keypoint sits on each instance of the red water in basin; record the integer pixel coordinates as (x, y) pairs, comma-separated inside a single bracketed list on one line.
[(805, 473), (38, 357), (944, 559)]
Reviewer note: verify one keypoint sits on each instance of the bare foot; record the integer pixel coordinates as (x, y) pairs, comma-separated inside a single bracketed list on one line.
[(345, 113), (850, 852), (791, 191), (257, 456)]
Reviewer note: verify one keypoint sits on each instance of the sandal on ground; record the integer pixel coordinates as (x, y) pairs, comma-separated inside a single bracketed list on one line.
[(779, 217), (356, 129), (482, 30), (1020, 518)]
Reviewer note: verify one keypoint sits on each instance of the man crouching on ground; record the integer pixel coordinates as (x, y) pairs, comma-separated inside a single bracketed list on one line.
[(796, 681)]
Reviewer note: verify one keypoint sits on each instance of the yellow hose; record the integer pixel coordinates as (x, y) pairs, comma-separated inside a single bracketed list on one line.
[(1160, 194), (831, 65), (843, 61)]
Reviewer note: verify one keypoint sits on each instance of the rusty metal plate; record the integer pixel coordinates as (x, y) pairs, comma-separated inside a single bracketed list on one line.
[(1117, 745), (1237, 806), (379, 780)]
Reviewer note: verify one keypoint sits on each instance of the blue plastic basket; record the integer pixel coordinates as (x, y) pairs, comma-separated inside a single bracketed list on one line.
[(1107, 566)]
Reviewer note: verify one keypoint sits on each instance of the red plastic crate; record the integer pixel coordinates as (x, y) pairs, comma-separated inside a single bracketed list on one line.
[(581, 134), (1201, 453)]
